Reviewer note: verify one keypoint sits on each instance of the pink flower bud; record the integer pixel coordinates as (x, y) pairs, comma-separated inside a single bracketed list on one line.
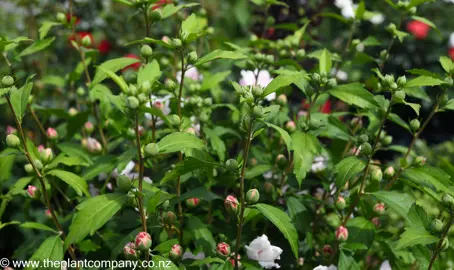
[(379, 208), (33, 192), (282, 99), (130, 251), (41, 148), (93, 146), (300, 261), (192, 202), (268, 187), (191, 130), (143, 241), (46, 155), (342, 233), (141, 130), (223, 249), (376, 221), (10, 130), (51, 134), (340, 203), (232, 260), (88, 126), (48, 213), (389, 172), (231, 204), (169, 217), (165, 39), (175, 252), (327, 250), (290, 126)]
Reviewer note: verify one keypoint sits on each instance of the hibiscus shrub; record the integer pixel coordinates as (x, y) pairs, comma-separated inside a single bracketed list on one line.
[(182, 145)]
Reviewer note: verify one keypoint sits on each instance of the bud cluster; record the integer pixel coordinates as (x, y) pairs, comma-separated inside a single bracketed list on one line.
[(138, 95), (321, 82)]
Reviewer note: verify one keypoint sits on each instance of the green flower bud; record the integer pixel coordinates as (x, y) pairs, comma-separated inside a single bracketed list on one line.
[(415, 125), (86, 41), (47, 155), (316, 78), (61, 17), (399, 96), (146, 51), (394, 86), (331, 83), (176, 120), (376, 174), (447, 201), (155, 15), (449, 81), (12, 141), (142, 98), (300, 53), (28, 168), (333, 220), (269, 59), (281, 161), (38, 164), (388, 80), (7, 81), (176, 42), (257, 91), (366, 149), (152, 149), (340, 203), (171, 85), (210, 30), (387, 140), (252, 196), (420, 161), (133, 102), (123, 183), (258, 111), (384, 55), (208, 101), (132, 90), (401, 81), (412, 10), (363, 138), (445, 244), (169, 217), (232, 165), (192, 57), (436, 225), (165, 204), (283, 53), (145, 87), (389, 172), (391, 27)]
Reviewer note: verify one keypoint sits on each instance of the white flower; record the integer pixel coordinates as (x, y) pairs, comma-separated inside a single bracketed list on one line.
[(377, 18), (385, 264), (128, 171), (263, 79), (451, 39), (347, 8), (322, 267), (191, 73), (319, 164), (340, 74), (343, 3), (190, 255), (261, 250), (162, 103)]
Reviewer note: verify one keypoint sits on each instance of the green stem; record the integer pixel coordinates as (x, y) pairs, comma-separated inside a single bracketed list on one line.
[(247, 145), (440, 243)]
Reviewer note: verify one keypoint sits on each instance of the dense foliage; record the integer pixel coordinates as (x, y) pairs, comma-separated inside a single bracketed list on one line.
[(227, 134)]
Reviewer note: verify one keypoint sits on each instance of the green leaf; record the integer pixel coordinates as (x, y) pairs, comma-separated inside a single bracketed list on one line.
[(178, 141), (354, 94), (165, 247), (157, 199), (282, 221), (399, 202), (92, 214), (257, 170), (74, 150), (201, 193), (51, 249), (112, 66), (348, 168), (150, 72), (171, 9), (104, 95), (185, 166), (447, 64), (334, 16), (37, 226), (200, 232), (219, 54), (45, 27), (104, 164), (284, 134), (73, 180), (3, 225), (347, 262), (431, 177), (415, 106), (19, 99), (7, 158), (163, 263), (415, 236), (361, 230), (37, 46), (156, 112), (68, 161), (449, 105), (417, 217), (305, 146), (216, 142), (117, 79), (282, 81), (414, 3), (212, 80), (425, 21), (423, 81), (360, 10), (325, 63)]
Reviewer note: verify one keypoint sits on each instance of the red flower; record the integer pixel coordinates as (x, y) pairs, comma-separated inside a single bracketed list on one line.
[(161, 3), (104, 46), (326, 108), (68, 18), (81, 35), (270, 32), (418, 29), (134, 66), (451, 53)]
